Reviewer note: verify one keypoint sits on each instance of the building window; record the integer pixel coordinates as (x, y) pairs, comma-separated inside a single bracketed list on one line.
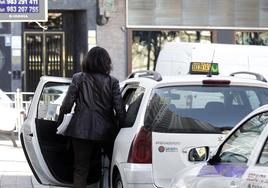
[(251, 38), (146, 45)]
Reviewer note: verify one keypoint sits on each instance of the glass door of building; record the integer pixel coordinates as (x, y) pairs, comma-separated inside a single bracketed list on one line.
[(44, 55)]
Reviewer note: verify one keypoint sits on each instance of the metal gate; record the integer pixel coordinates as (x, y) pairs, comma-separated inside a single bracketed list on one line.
[(44, 55)]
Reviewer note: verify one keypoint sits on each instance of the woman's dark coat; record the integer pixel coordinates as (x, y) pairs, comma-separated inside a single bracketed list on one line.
[(96, 97)]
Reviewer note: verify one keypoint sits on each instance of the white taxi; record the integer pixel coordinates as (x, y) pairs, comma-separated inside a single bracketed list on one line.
[(166, 116), (240, 161)]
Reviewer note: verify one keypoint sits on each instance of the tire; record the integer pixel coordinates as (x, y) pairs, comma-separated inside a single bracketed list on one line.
[(118, 183)]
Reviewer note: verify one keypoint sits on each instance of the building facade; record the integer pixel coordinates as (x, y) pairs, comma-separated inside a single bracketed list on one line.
[(58, 46), (5, 56), (152, 23), (133, 32)]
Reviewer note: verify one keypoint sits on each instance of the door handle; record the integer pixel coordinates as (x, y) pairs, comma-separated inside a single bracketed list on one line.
[(233, 184), (31, 134)]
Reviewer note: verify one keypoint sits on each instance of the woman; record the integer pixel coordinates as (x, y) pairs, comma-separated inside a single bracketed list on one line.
[(96, 95)]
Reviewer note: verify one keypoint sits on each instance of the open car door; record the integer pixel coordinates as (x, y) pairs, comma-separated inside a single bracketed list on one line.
[(50, 155)]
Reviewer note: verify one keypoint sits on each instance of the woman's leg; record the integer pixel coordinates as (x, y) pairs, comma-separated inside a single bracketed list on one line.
[(108, 147), (82, 155)]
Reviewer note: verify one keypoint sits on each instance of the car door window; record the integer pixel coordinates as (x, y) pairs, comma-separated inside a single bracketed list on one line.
[(51, 100), (263, 159), (132, 103), (238, 147), (128, 95)]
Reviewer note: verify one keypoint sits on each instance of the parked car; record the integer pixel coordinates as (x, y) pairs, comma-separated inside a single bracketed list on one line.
[(8, 123), (5, 100), (241, 160), (8, 114), (8, 118), (165, 117)]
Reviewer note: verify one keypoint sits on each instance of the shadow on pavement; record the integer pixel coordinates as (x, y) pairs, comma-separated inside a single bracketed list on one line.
[(11, 136)]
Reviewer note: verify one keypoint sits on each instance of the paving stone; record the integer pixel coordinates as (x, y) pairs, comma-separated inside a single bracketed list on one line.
[(14, 170), (14, 181)]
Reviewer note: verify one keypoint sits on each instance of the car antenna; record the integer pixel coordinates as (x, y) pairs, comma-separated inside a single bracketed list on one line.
[(210, 68)]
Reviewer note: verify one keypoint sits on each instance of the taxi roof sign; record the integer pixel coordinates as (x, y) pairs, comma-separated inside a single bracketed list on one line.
[(204, 68), (23, 10)]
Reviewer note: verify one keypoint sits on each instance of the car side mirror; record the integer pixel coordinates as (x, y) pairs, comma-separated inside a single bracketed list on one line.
[(198, 154)]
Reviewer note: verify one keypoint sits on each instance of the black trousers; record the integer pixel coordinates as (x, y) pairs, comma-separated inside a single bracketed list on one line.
[(83, 151)]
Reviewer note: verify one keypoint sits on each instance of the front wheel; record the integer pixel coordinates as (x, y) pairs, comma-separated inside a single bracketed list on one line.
[(118, 182)]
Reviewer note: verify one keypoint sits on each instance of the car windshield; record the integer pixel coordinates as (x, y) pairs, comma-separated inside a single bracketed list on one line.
[(201, 109)]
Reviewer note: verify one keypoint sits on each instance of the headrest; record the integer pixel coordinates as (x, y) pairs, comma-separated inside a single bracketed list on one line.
[(214, 105)]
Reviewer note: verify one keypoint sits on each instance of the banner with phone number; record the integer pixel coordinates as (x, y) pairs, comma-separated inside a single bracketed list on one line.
[(23, 10)]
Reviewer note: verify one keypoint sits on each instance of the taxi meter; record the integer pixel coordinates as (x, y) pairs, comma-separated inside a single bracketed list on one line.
[(23, 10)]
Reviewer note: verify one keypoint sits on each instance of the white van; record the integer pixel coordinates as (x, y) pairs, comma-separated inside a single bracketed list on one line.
[(175, 58)]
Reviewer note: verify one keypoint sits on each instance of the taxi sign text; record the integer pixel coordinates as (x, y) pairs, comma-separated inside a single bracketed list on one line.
[(203, 68)]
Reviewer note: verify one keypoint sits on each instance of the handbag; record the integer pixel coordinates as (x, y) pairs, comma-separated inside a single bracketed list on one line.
[(64, 124)]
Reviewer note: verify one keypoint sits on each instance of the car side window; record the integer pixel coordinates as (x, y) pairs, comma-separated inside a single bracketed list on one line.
[(240, 144), (263, 159), (128, 95), (51, 100), (132, 101)]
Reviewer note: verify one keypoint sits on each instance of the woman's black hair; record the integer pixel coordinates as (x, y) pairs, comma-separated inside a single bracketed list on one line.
[(97, 60)]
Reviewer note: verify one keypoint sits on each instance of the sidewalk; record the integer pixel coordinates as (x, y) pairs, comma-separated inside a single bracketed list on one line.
[(14, 169)]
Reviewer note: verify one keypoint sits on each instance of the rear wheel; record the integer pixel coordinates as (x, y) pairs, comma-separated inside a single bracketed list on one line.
[(118, 182)]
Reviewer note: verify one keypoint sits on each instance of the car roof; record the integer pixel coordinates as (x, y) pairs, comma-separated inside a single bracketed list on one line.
[(54, 79), (195, 80), (189, 79)]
